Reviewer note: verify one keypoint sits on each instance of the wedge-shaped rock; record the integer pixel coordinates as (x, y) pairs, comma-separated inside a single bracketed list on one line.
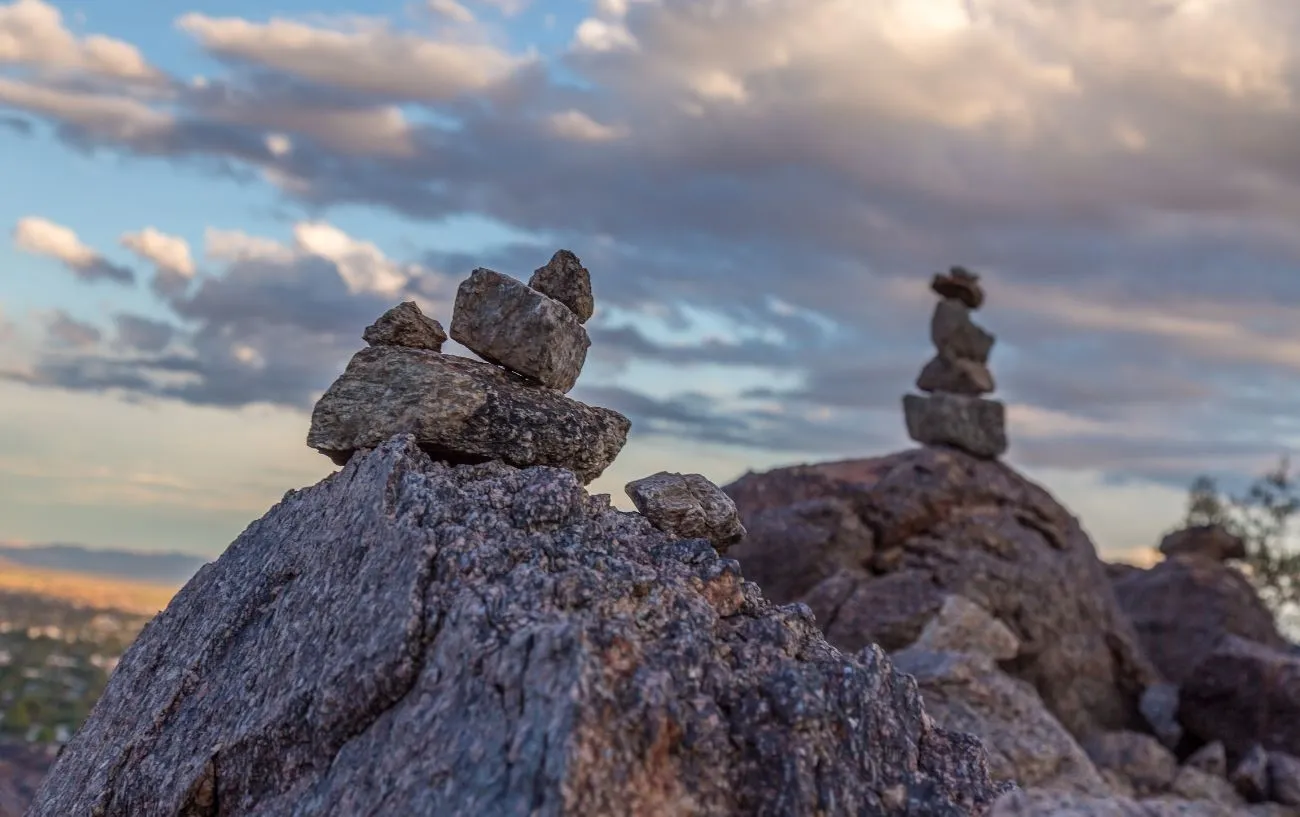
[(972, 424), (416, 640), (689, 506), (955, 376), (505, 321), (565, 279), (954, 333), (461, 410), (406, 325), (959, 283)]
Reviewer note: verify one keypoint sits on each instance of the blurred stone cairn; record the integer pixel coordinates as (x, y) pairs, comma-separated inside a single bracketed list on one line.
[(954, 413), (511, 408)]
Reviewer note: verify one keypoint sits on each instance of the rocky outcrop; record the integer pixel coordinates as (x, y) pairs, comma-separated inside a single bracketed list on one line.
[(466, 411), (1244, 693), (687, 506), (1183, 606), (413, 638), (1212, 542), (954, 413), (893, 536)]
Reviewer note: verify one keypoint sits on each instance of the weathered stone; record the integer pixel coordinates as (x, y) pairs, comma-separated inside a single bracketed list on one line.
[(963, 626), (1250, 778), (1040, 803), (972, 424), (964, 526), (405, 325), (689, 506), (1192, 783), (1183, 606), (565, 279), (506, 322), (1284, 778), (1210, 541), (1140, 759), (1211, 758), (965, 692), (1159, 707), (945, 374), (1244, 693), (411, 639), (959, 283), (956, 335), (462, 411)]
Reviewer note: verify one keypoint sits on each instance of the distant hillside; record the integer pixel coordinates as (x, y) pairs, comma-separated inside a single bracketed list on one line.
[(154, 568)]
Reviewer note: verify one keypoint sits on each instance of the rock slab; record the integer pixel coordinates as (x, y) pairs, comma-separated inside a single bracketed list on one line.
[(504, 321), (972, 424), (415, 639), (462, 411), (1211, 541), (689, 506), (1244, 693)]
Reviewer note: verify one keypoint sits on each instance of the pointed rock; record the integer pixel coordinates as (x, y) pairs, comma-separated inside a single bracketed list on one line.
[(506, 322), (405, 325), (565, 279)]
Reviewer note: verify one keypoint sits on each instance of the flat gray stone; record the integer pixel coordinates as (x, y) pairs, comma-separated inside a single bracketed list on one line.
[(689, 506), (971, 424), (955, 376), (405, 325), (461, 410), (507, 322), (565, 279), (961, 625), (955, 334)]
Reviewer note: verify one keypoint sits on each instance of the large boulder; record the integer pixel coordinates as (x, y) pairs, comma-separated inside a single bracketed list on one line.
[(412, 638), (902, 532), (1244, 693), (1183, 606)]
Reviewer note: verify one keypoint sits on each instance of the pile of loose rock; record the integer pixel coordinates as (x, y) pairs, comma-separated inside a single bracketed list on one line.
[(953, 412), (512, 408)]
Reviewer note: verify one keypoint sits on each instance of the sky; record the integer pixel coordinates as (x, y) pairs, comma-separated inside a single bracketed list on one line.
[(205, 204)]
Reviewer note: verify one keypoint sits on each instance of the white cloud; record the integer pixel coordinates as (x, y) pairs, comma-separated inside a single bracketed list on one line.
[(32, 33), (167, 252), (451, 10), (578, 126), (369, 59), (117, 118), (41, 236)]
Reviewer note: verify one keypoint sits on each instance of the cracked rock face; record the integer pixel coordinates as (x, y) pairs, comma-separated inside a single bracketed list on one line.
[(506, 322), (405, 325), (414, 639), (463, 411), (689, 506)]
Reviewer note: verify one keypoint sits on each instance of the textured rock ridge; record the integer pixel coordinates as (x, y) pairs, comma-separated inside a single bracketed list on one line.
[(412, 638)]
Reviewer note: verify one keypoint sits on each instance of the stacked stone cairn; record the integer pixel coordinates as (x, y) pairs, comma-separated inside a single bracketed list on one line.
[(511, 408), (954, 412)]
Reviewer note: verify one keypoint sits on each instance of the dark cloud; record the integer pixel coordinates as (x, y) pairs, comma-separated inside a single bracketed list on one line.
[(66, 331), (140, 334), (17, 124)]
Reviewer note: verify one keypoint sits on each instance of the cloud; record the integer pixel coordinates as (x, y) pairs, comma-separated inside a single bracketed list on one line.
[(451, 10), (366, 59), (66, 331), (140, 334), (32, 33), (43, 237)]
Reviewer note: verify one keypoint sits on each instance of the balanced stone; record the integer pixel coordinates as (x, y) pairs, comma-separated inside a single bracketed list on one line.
[(1210, 541), (566, 280), (956, 335), (689, 506), (972, 424), (959, 283), (405, 325), (507, 322), (461, 411), (956, 376)]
